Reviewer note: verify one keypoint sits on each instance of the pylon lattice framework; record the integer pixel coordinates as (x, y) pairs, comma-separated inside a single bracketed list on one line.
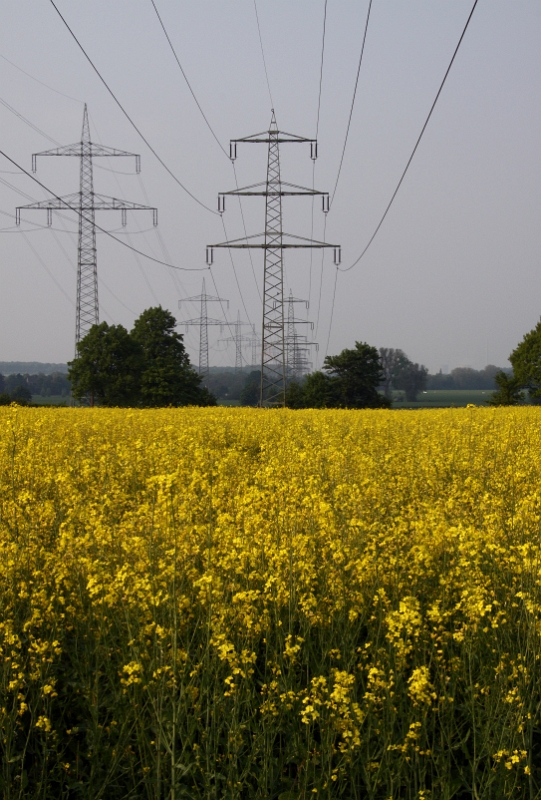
[(203, 321), (239, 339), (255, 344), (86, 202), (297, 345), (273, 241)]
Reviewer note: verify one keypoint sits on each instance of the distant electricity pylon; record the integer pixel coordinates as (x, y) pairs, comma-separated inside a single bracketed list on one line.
[(273, 241), (255, 344), (203, 321), (239, 339), (297, 345), (86, 203)]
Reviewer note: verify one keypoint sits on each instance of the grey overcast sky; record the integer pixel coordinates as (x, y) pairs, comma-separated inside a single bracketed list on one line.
[(453, 277)]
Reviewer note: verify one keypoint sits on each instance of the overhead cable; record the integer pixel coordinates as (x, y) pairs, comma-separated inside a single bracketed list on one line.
[(41, 82), (317, 131), (219, 144), (209, 126), (263, 53), (27, 122), (47, 270), (130, 120), (332, 312), (352, 100), (410, 159)]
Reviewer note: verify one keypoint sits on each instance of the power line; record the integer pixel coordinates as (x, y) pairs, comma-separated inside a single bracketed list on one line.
[(332, 311), (321, 277), (406, 168), (321, 67), (317, 131), (352, 100), (263, 53), (219, 144), (130, 120), (380, 223), (221, 302), (27, 121), (245, 231), (47, 270), (186, 78), (235, 274), (41, 82), (98, 227), (15, 189)]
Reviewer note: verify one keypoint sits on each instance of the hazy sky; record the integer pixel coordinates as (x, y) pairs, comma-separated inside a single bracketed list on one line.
[(453, 276)]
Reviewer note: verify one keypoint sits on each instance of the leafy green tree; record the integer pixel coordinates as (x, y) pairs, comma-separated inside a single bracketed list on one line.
[(526, 361), (316, 391), (21, 394), (295, 395), (508, 392), (392, 360), (250, 393), (107, 367), (5, 399), (412, 379), (350, 380), (167, 377), (354, 377)]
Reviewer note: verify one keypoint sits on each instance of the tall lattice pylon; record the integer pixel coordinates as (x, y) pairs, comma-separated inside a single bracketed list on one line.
[(239, 339), (203, 321), (295, 353), (255, 343), (86, 202), (273, 241)]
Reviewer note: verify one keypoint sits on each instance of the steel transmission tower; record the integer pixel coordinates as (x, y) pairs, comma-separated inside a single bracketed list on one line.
[(295, 353), (273, 241), (86, 202), (255, 343), (203, 321), (239, 339)]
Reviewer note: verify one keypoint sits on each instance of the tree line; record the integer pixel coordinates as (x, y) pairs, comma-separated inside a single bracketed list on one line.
[(20, 388), (465, 378), (149, 367)]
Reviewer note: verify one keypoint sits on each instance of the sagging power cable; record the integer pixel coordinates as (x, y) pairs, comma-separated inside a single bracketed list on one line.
[(130, 120), (417, 143)]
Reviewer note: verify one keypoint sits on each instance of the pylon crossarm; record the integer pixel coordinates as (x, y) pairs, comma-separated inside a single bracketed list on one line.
[(206, 321), (96, 202), (99, 203), (293, 321), (69, 201), (102, 202), (236, 339), (90, 149), (292, 191), (300, 241), (198, 297), (278, 137)]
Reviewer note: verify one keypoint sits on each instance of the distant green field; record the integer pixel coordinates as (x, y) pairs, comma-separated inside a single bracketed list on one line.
[(435, 398), (52, 400), (447, 397)]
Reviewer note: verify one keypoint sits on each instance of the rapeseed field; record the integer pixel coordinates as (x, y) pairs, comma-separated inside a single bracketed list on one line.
[(251, 604)]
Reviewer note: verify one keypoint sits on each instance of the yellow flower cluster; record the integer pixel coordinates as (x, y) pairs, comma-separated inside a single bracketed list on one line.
[(250, 603)]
